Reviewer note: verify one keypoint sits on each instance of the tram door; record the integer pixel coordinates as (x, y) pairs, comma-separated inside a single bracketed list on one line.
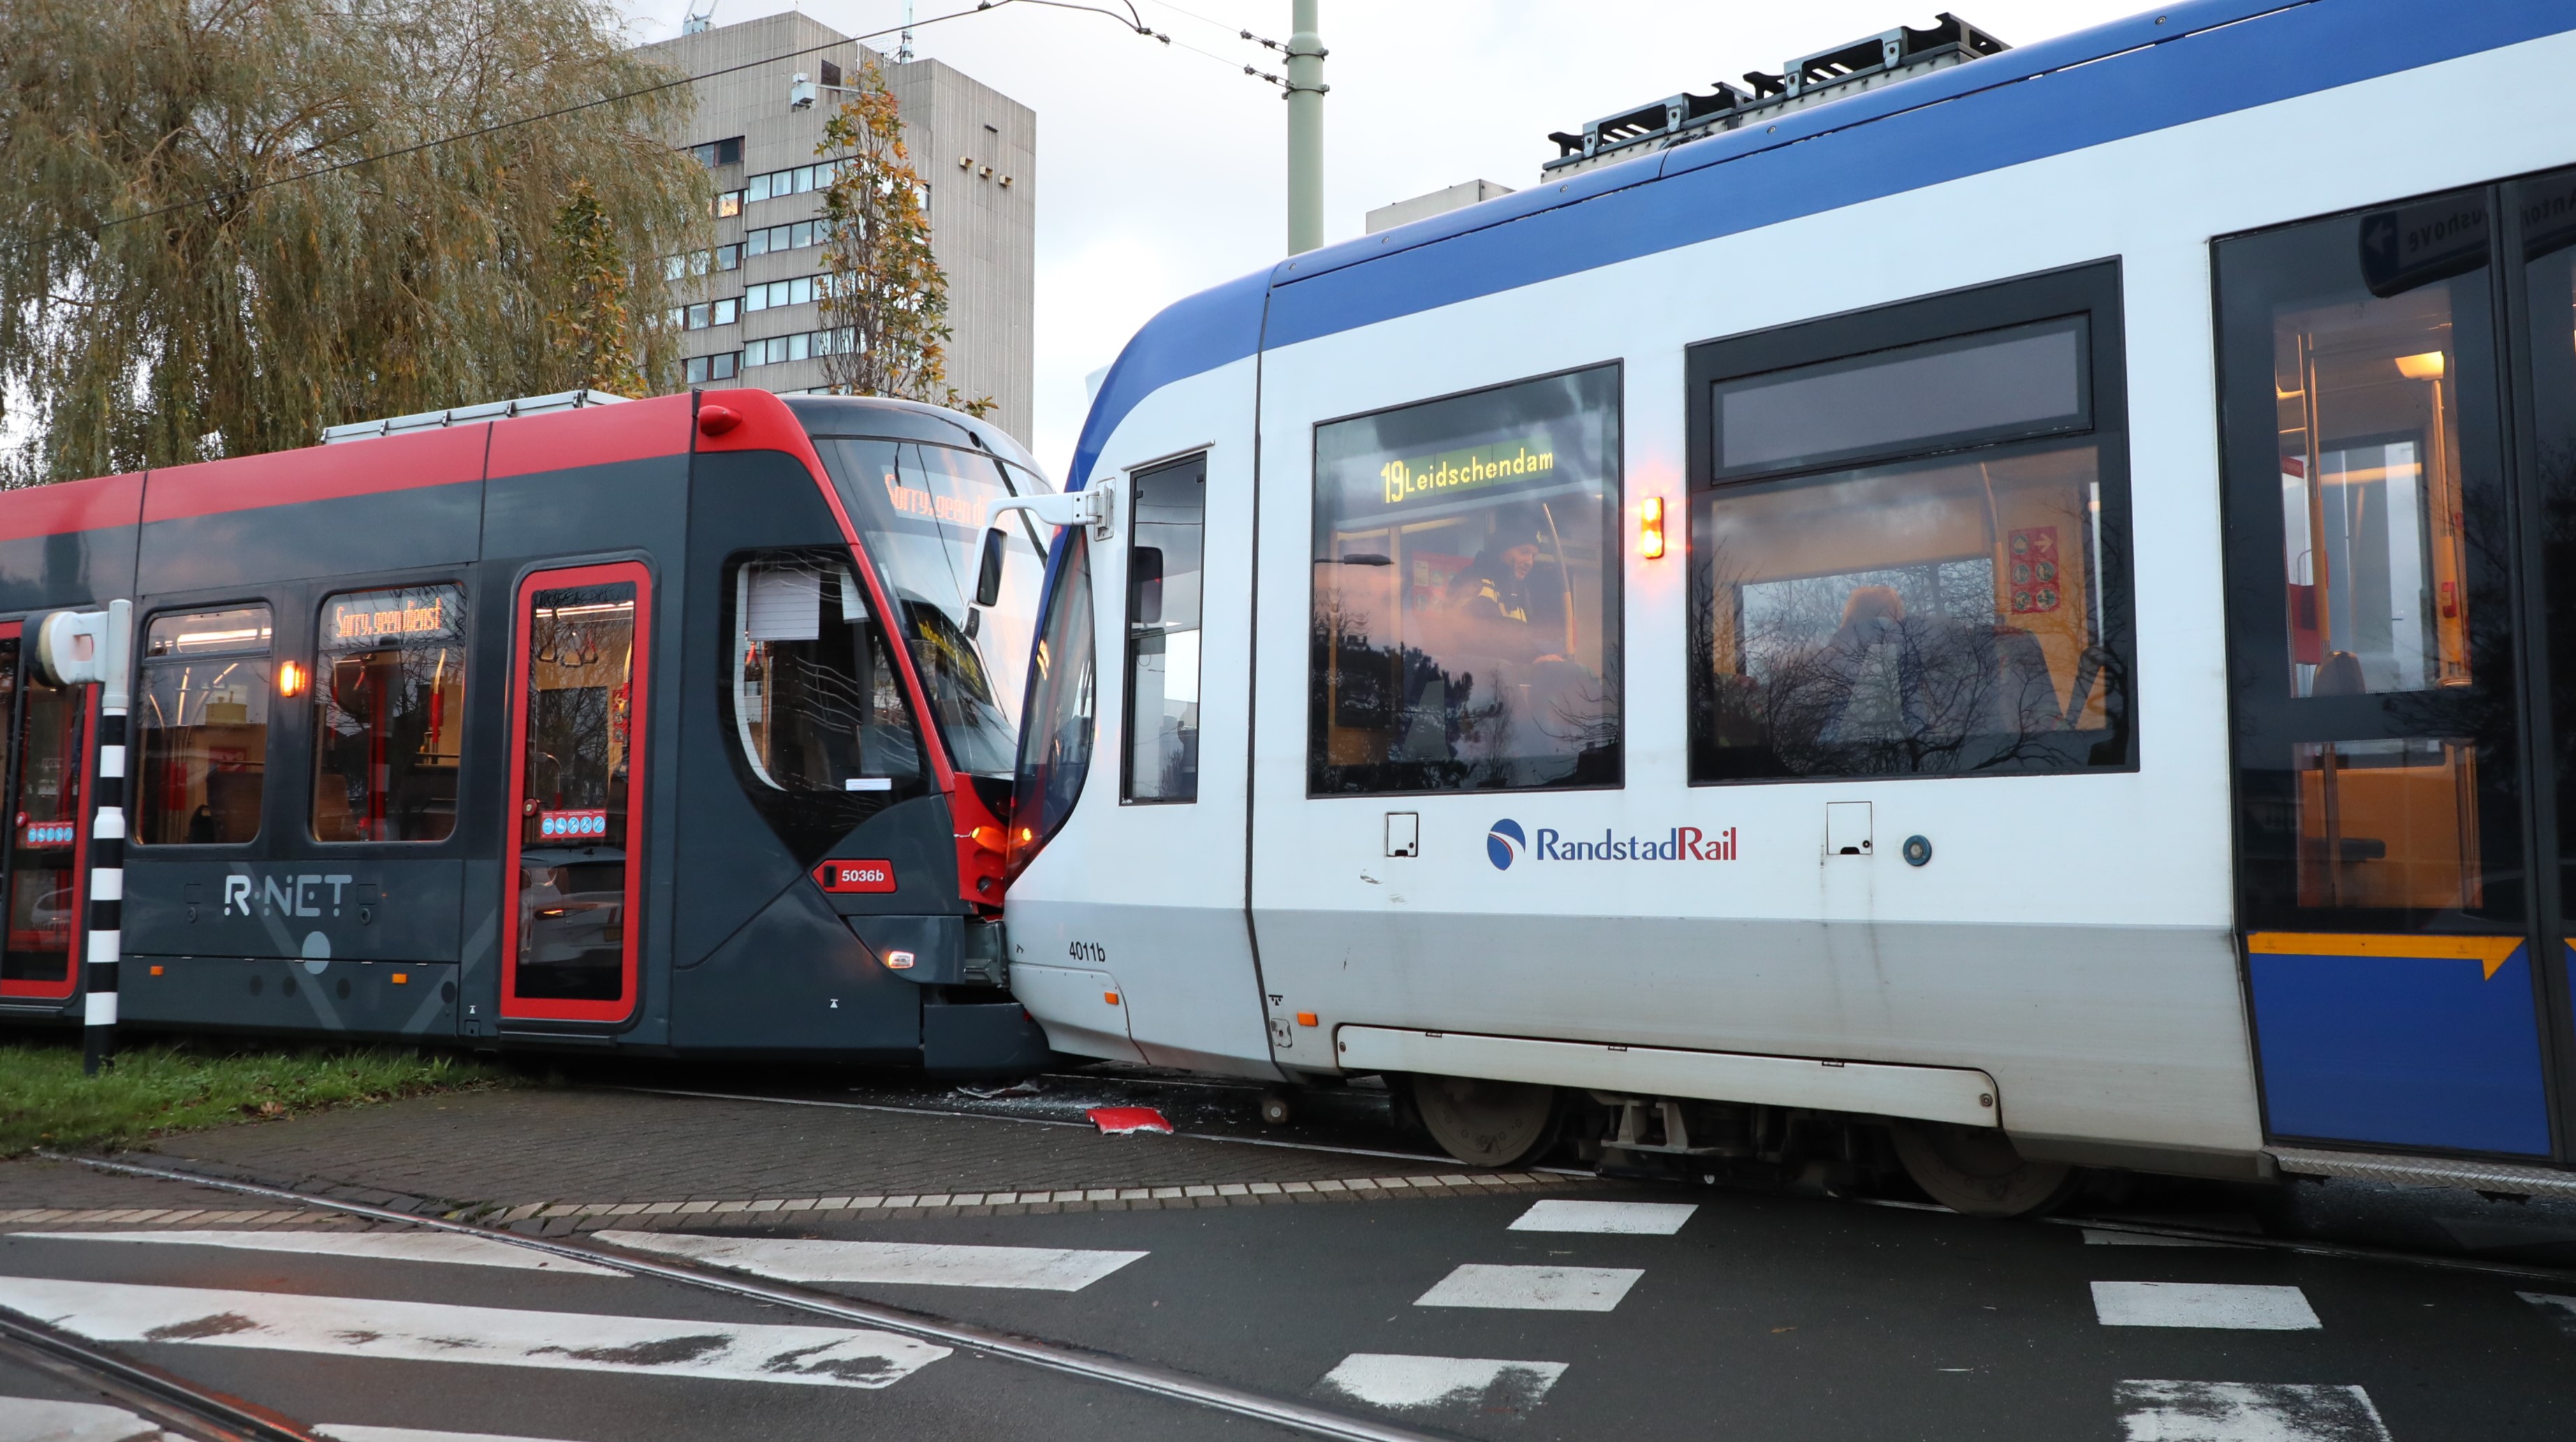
[(44, 759), (2400, 419), (573, 860)]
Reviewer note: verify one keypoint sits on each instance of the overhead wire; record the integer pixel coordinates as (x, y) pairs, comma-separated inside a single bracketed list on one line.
[(1131, 19)]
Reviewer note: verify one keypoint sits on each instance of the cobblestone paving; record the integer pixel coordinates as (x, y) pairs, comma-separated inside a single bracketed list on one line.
[(599, 1148)]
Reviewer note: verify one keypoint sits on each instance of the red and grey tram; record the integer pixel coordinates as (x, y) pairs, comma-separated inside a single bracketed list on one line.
[(674, 726)]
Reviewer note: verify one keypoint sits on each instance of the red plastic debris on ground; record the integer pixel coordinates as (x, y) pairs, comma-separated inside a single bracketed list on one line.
[(1119, 1121)]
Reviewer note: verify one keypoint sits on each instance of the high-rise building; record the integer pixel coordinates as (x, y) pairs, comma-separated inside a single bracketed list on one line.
[(749, 304)]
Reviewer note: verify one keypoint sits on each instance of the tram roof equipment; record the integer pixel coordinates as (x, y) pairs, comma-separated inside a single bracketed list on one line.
[(467, 415), (1870, 61)]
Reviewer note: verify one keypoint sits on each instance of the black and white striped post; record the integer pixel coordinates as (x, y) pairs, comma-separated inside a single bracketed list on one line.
[(96, 648)]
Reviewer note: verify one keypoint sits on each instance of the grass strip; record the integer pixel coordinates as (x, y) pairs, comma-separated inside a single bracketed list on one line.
[(162, 1087)]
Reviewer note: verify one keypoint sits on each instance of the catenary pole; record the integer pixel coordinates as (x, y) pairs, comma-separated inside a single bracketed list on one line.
[(1306, 89)]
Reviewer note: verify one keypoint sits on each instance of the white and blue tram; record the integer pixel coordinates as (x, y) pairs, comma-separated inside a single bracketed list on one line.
[(2032, 607)]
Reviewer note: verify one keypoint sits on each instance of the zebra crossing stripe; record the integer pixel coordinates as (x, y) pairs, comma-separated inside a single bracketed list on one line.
[(1638, 1219), (2561, 1310), (449, 1247), (2159, 1411), (2233, 1305), (1462, 1388), (1532, 1289), (436, 1332), (35, 1419)]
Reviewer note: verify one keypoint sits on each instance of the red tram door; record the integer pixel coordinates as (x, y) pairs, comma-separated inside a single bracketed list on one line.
[(580, 639), (45, 757)]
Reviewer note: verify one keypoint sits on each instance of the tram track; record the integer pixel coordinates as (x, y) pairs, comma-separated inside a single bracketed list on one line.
[(173, 1403), (1164, 1382)]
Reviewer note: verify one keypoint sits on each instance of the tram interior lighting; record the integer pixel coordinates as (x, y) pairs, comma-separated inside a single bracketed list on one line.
[(1650, 528), (2425, 367), (291, 679)]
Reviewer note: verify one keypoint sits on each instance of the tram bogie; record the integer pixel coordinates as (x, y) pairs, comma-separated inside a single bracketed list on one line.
[(1794, 626), (663, 726)]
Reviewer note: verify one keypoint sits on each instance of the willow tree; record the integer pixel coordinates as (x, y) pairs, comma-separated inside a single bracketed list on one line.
[(225, 223), (887, 298)]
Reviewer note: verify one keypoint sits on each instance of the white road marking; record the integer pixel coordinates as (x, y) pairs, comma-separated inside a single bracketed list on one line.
[(429, 1332), (30, 1419), (1642, 1219), (2246, 1412), (2561, 1310), (2098, 1237), (1535, 1289), (794, 1259), (352, 1432), (1465, 1386), (449, 1247), (2203, 1304)]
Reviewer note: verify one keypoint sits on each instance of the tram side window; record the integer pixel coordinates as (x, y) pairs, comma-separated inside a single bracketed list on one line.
[(203, 723), (1907, 547), (389, 712), (1163, 593), (822, 725), (1466, 593)]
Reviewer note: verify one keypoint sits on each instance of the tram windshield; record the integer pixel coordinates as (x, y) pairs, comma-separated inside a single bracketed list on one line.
[(922, 511)]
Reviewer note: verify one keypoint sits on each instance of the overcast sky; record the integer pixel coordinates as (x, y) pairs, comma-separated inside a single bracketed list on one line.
[(1162, 171)]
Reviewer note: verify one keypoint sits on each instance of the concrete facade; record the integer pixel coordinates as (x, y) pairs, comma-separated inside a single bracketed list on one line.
[(975, 149)]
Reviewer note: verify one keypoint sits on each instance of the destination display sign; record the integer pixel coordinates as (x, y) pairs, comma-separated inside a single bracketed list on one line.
[(426, 612), (1474, 468)]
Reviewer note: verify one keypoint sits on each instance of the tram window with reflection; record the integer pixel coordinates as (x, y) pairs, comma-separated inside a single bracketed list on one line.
[(1908, 543), (823, 732), (2371, 611), (389, 707), (201, 717), (1466, 592)]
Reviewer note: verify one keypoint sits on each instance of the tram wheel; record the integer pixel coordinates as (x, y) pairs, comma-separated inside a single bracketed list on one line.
[(1977, 1171), (1488, 1123), (1276, 1109)]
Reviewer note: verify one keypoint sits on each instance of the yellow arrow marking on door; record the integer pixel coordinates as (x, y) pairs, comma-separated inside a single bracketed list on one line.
[(2492, 952)]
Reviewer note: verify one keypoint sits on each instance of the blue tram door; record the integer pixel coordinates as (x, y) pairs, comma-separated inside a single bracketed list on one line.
[(2399, 421)]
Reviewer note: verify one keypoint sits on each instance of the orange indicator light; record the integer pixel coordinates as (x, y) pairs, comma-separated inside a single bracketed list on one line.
[(156, 971), (1305, 1018), (1110, 997), (290, 679), (1650, 528), (989, 838), (402, 978)]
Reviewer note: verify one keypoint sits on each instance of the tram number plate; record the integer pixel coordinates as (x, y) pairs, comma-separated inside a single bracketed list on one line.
[(844, 877)]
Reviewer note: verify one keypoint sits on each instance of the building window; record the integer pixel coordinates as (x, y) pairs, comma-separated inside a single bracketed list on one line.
[(1466, 592), (728, 204), (707, 313), (795, 236), (203, 716), (803, 345), (799, 291), (389, 707), (720, 367), (1164, 559), (1908, 541), (778, 184), (718, 152)]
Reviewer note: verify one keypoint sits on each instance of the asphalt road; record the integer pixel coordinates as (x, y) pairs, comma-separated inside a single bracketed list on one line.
[(1697, 1313)]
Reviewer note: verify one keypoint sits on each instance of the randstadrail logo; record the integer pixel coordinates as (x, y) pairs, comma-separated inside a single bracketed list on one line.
[(1505, 842)]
